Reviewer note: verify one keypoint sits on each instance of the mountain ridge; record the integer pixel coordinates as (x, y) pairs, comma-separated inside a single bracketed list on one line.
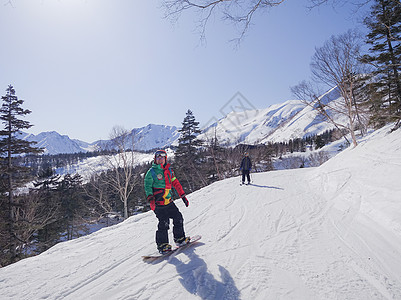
[(146, 138)]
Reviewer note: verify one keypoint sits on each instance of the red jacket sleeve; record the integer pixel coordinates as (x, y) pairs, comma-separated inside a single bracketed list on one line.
[(177, 185)]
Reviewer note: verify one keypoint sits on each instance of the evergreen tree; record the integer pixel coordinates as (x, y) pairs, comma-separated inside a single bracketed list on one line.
[(216, 158), (73, 209), (319, 142), (384, 37), (14, 175), (188, 154), (45, 189)]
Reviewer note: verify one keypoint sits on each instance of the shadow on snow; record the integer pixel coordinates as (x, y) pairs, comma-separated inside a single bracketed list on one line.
[(266, 186), (196, 279)]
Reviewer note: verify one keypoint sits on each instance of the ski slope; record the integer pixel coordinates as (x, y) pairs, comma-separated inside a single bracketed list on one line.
[(332, 232)]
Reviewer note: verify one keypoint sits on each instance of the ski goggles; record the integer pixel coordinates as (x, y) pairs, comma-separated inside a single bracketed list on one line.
[(160, 154)]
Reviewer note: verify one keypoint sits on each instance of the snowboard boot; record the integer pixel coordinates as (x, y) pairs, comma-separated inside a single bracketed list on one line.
[(182, 241), (164, 248)]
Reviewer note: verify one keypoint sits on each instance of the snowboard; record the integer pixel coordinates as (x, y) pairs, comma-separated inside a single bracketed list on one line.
[(151, 258)]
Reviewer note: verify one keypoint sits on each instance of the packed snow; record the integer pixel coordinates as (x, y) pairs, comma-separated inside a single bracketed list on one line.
[(332, 232)]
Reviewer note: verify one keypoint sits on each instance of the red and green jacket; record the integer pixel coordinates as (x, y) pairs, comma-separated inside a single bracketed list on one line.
[(159, 181)]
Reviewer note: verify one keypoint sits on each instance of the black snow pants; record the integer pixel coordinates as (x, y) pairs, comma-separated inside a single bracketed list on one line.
[(246, 173), (164, 214)]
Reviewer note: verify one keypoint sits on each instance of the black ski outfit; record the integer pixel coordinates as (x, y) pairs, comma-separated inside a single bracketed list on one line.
[(246, 166)]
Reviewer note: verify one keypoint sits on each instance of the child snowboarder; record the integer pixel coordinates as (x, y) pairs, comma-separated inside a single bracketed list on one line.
[(159, 180)]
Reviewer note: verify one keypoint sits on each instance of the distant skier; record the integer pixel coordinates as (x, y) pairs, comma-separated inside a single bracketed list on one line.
[(159, 180), (246, 166)]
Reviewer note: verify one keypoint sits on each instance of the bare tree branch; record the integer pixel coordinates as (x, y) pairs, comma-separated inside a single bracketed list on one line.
[(307, 93), (238, 12), (337, 64)]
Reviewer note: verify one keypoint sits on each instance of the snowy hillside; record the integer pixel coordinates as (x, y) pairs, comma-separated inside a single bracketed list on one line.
[(332, 232), (251, 126), (147, 138), (308, 122), (154, 137), (277, 123)]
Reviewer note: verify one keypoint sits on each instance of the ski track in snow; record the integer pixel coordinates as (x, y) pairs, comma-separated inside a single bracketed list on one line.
[(332, 232)]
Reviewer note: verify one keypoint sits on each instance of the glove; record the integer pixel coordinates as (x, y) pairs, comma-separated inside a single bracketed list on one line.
[(152, 201), (185, 200)]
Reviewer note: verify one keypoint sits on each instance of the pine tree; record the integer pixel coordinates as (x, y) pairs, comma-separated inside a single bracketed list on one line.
[(188, 155), (45, 189), (384, 37), (319, 142), (215, 160), (14, 175), (73, 209)]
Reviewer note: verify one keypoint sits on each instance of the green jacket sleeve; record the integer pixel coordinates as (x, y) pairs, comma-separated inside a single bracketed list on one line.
[(148, 182)]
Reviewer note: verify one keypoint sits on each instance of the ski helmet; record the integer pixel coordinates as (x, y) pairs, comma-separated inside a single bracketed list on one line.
[(161, 153)]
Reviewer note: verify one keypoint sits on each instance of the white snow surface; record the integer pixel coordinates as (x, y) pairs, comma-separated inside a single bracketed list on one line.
[(332, 232)]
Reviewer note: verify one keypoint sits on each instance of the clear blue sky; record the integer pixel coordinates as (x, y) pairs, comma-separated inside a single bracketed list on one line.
[(84, 66)]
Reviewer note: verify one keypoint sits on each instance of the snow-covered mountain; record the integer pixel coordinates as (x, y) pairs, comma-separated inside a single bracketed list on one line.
[(155, 136), (277, 123), (308, 122), (252, 126), (332, 232), (146, 138), (55, 143)]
